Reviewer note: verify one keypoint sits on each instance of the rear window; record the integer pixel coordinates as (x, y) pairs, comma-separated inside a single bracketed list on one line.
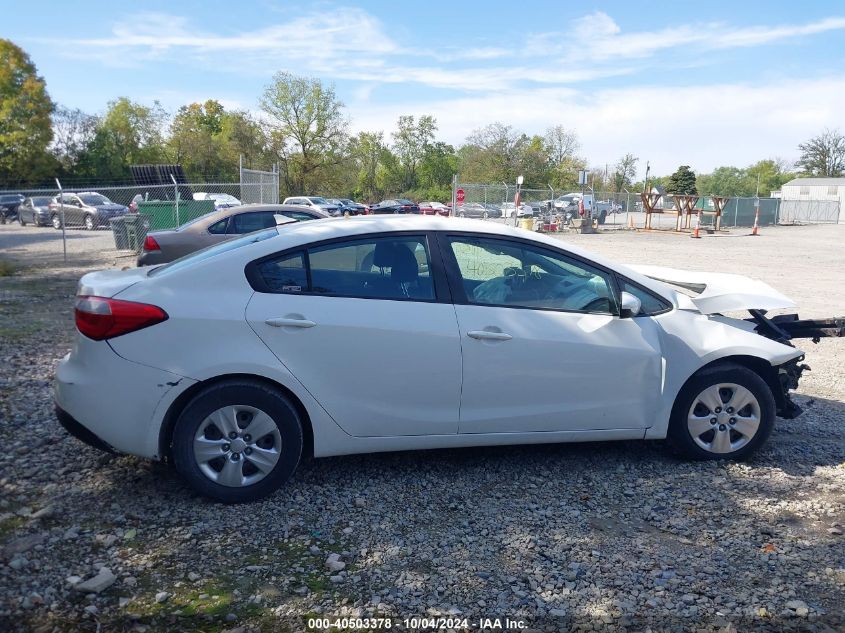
[(212, 251)]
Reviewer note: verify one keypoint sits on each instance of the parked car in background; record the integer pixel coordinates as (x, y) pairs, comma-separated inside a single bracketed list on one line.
[(524, 211), (399, 205), (35, 210), (238, 361), (314, 202), (348, 206), (472, 210), (9, 203), (221, 200), (434, 208), (161, 247), (86, 208)]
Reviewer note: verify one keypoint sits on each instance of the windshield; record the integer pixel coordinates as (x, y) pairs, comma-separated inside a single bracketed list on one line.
[(346, 201), (94, 199), (12, 198), (318, 200), (211, 251)]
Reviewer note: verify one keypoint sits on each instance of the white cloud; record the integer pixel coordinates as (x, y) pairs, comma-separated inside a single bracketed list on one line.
[(350, 43), (703, 126)]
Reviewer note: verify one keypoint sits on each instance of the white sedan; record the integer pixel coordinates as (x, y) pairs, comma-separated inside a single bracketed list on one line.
[(397, 333)]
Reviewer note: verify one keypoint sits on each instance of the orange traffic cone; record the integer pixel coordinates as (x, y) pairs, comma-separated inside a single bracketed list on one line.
[(697, 226)]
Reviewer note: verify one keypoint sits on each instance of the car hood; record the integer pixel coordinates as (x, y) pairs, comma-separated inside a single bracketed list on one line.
[(720, 292)]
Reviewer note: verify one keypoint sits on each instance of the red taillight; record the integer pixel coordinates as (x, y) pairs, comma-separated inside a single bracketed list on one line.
[(100, 318), (150, 244)]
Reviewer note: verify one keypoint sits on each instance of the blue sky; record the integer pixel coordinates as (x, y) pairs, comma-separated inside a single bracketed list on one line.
[(704, 84)]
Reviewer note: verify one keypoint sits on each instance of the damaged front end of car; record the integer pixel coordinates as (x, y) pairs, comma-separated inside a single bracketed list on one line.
[(783, 328), (716, 293)]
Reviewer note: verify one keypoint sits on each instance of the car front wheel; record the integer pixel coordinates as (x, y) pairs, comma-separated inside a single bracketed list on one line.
[(723, 412), (237, 441), (56, 221), (89, 222)]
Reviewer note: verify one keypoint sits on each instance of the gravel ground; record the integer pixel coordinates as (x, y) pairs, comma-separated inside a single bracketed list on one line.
[(613, 536)]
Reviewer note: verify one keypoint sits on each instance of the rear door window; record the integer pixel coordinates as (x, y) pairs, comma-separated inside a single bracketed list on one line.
[(371, 268), (249, 222)]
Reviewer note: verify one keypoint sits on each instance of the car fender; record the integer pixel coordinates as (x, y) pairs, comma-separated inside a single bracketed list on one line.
[(325, 431), (691, 340)]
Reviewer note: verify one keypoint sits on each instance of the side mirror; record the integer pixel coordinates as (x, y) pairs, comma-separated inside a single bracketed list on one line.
[(630, 305)]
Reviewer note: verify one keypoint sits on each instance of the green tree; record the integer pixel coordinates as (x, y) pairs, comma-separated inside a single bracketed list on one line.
[(25, 126), (195, 139), (682, 182), (367, 149), (823, 155), (438, 166), (128, 134), (411, 141), (308, 129), (240, 135), (724, 181), (492, 154)]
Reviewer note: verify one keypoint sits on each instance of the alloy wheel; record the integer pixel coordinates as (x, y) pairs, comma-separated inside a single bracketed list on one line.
[(723, 418)]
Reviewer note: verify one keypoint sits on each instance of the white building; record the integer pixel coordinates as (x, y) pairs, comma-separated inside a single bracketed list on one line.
[(813, 199)]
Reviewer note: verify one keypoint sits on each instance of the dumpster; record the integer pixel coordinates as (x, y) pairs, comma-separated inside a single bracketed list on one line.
[(118, 229), (137, 225), (163, 214)]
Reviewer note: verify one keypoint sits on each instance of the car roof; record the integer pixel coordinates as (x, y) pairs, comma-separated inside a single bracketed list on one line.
[(215, 216)]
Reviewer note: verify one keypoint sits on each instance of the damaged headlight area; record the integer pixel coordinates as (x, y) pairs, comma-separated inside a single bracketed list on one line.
[(783, 328)]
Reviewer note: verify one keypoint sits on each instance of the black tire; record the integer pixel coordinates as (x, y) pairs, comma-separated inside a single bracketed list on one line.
[(56, 221), (679, 436), (89, 222), (238, 392)]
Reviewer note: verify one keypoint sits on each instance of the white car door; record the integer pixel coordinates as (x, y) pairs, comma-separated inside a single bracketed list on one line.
[(543, 348), (359, 323)]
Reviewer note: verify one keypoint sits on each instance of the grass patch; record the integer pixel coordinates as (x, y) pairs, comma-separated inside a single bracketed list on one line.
[(9, 526), (7, 268)]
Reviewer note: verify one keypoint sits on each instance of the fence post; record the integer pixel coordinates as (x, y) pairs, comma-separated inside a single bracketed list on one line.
[(175, 197), (736, 210), (62, 213)]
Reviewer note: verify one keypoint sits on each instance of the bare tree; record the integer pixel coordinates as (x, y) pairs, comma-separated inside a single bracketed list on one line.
[(561, 144), (823, 155), (626, 171), (73, 130)]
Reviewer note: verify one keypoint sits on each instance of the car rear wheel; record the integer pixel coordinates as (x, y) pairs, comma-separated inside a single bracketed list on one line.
[(237, 441), (89, 222), (723, 412), (56, 221)]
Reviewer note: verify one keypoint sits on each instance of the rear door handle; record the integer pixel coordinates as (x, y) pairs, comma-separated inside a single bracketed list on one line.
[(486, 335), (283, 322)]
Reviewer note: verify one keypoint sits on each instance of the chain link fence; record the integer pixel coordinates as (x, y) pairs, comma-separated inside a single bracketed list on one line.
[(809, 212), (625, 208), (260, 187), (96, 222)]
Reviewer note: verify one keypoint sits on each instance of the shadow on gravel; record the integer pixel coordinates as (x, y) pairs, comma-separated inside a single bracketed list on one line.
[(570, 527)]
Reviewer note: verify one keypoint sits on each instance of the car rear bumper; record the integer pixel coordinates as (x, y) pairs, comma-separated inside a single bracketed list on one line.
[(104, 399), (151, 258)]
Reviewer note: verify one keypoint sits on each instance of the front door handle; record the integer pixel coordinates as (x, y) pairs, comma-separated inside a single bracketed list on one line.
[(287, 322), (487, 335)]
